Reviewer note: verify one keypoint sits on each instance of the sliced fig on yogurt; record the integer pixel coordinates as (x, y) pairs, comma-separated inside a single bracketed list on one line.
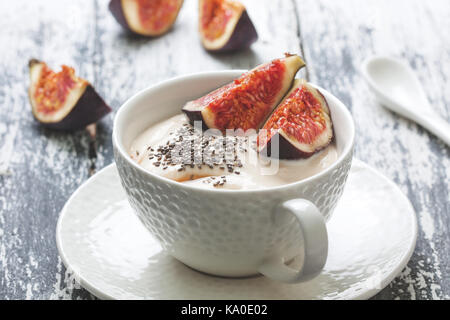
[(61, 100), (146, 17), (299, 127), (246, 102), (225, 25)]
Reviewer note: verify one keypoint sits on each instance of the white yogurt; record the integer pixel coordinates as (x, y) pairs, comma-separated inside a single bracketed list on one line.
[(255, 173)]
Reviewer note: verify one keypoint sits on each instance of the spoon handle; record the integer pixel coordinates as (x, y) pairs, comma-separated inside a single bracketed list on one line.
[(437, 126)]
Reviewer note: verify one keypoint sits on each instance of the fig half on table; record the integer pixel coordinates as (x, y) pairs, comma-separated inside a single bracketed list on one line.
[(224, 25), (299, 127), (63, 101), (246, 102), (150, 18)]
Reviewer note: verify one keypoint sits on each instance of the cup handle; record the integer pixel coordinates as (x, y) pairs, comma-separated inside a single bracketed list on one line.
[(315, 238)]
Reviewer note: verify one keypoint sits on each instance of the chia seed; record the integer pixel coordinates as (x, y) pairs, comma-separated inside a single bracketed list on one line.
[(187, 146)]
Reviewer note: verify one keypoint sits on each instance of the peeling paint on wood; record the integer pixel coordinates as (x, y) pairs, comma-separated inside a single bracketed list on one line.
[(338, 37), (40, 169)]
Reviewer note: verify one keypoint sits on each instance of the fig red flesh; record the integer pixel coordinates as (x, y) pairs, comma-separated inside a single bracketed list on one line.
[(62, 100), (299, 127), (146, 17), (246, 102), (214, 18), (225, 25)]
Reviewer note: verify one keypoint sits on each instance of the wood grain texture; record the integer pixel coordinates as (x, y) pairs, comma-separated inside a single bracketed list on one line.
[(338, 36), (40, 169)]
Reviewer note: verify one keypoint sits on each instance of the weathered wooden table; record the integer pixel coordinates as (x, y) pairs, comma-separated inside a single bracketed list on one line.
[(39, 169)]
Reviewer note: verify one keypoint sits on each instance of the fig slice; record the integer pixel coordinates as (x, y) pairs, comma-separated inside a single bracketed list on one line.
[(224, 25), (246, 102), (299, 127), (63, 101), (146, 17)]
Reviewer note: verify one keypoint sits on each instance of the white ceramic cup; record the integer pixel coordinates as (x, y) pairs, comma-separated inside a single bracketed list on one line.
[(231, 233)]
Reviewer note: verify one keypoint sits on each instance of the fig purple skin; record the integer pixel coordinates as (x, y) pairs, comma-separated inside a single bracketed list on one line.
[(194, 114), (90, 108), (200, 110), (243, 36), (125, 12), (85, 105), (240, 37), (115, 7), (286, 150), (289, 148)]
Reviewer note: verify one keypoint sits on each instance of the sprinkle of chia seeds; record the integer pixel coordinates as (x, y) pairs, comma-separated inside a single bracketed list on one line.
[(187, 146)]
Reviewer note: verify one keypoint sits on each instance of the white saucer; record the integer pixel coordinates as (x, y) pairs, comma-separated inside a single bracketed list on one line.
[(372, 235)]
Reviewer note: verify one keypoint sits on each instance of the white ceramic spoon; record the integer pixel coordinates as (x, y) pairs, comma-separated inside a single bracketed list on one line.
[(396, 87)]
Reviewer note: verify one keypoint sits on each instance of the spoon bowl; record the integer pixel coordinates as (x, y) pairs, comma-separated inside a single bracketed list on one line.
[(396, 87)]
